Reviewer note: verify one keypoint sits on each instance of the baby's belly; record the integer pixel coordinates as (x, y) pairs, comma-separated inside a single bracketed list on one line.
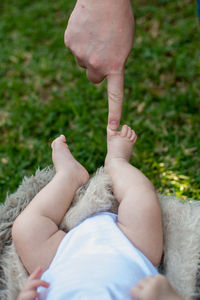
[(95, 261), (94, 276)]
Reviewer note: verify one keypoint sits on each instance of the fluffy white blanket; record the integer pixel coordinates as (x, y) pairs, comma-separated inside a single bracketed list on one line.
[(181, 223)]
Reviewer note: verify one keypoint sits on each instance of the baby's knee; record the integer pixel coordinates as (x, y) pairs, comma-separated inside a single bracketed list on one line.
[(20, 233)]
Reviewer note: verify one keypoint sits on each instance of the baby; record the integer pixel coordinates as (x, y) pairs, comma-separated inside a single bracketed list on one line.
[(151, 288), (105, 255)]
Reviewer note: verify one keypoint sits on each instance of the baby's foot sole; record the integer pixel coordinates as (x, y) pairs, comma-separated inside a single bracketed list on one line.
[(65, 163), (120, 144)]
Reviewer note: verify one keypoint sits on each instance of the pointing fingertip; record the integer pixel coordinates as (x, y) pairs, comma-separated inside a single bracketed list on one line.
[(113, 124)]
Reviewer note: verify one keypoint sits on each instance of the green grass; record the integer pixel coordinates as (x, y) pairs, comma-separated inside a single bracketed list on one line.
[(43, 93)]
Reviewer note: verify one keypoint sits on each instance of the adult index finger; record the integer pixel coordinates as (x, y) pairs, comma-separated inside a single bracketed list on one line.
[(115, 88)]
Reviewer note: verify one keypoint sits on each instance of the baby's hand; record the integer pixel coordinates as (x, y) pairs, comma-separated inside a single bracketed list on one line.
[(154, 287), (29, 291)]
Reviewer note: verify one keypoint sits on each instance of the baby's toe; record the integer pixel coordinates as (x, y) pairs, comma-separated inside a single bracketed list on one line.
[(62, 138), (110, 132), (133, 136), (129, 133), (59, 142), (124, 130)]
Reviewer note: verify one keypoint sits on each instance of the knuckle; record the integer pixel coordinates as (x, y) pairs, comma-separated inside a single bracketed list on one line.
[(115, 96), (94, 62), (117, 66), (79, 57)]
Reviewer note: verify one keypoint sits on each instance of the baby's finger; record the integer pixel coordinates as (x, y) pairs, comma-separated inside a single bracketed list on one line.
[(135, 293), (36, 274), (28, 295), (34, 284)]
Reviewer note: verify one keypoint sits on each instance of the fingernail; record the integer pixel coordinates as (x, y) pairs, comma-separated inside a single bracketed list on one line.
[(113, 124)]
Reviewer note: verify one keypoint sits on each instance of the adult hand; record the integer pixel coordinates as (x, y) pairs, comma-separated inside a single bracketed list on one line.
[(100, 35)]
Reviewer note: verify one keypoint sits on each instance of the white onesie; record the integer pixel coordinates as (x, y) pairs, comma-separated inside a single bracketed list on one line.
[(95, 260)]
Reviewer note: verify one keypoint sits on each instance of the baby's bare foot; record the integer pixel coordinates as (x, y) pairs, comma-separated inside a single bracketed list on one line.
[(154, 288), (65, 163), (120, 144), (119, 150)]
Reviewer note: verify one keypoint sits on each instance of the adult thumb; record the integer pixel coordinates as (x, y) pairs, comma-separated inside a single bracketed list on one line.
[(115, 88)]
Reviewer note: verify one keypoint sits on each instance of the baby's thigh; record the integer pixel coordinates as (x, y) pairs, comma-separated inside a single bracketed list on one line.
[(35, 244), (139, 218)]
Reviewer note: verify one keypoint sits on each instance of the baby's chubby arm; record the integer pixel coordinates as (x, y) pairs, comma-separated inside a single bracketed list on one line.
[(29, 292)]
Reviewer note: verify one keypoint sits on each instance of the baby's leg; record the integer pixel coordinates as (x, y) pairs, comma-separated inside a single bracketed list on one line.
[(35, 232), (154, 287), (139, 215)]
